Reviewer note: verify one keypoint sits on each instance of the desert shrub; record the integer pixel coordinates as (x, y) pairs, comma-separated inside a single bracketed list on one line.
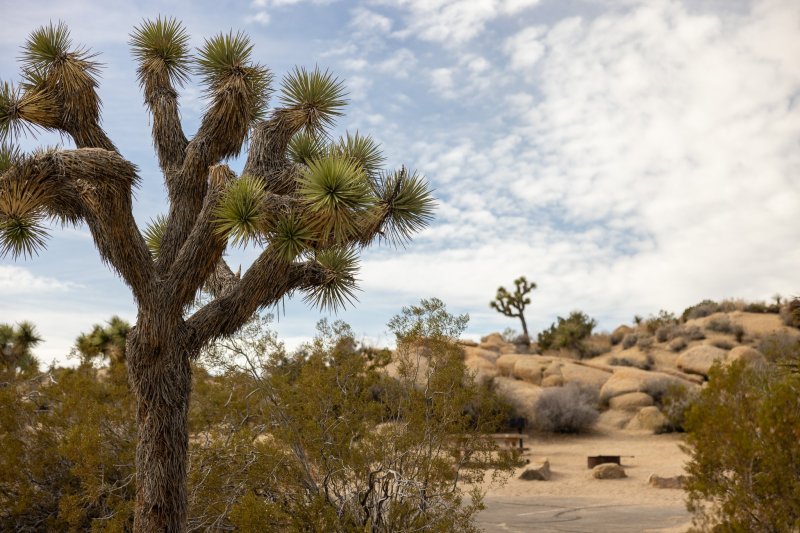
[(278, 442), (675, 403), (663, 318), (666, 333), (744, 451), (630, 340), (677, 344), (645, 342), (720, 324), (790, 313), (567, 409), (762, 307), (779, 348), (66, 452), (703, 309), (568, 333), (693, 333), (643, 364), (597, 345), (730, 305), (723, 344)]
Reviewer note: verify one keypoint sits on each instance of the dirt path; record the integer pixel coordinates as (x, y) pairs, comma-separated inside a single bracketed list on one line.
[(572, 501)]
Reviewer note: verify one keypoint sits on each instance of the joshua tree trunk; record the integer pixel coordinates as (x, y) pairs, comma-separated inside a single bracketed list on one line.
[(160, 377)]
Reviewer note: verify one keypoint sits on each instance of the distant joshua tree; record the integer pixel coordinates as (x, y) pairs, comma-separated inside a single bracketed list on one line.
[(513, 304), (308, 203), (15, 349)]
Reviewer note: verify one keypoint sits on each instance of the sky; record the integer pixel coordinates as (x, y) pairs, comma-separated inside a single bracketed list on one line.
[(626, 155)]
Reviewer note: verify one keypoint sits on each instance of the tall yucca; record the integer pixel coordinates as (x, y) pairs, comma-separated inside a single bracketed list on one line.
[(308, 206)]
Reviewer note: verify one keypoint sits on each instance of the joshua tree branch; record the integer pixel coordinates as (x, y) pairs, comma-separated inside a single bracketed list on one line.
[(203, 249), (93, 185), (266, 157), (267, 281)]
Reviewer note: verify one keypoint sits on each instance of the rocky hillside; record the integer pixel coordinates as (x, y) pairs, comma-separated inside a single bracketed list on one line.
[(631, 369)]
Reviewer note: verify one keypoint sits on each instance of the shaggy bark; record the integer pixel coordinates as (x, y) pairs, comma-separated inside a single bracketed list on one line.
[(160, 377)]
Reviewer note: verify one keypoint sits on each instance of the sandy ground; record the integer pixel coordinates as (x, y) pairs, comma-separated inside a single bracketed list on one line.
[(572, 497)]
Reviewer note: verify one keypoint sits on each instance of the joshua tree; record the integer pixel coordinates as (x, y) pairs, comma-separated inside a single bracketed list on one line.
[(104, 341), (309, 204), (15, 348), (513, 304)]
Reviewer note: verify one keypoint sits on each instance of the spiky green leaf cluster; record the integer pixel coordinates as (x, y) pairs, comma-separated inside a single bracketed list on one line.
[(340, 285), (154, 234), (10, 125), (317, 95), (224, 64), (62, 76), (291, 236), (305, 146), (362, 150), (336, 191), (9, 155), (162, 43), (22, 229), (409, 203), (238, 215)]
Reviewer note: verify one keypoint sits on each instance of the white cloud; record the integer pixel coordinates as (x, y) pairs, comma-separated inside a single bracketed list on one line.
[(454, 22), (18, 280), (400, 64), (525, 48), (442, 81), (365, 21), (261, 17)]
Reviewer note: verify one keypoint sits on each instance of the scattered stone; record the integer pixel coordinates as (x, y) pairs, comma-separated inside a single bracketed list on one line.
[(608, 471), (648, 418), (538, 470), (631, 401), (698, 360), (674, 482)]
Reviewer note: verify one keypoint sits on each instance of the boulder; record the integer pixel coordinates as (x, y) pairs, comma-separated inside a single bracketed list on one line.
[(483, 370), (629, 379), (521, 395), (584, 375), (505, 363), (749, 355), (553, 381), (648, 418), (674, 482), (489, 355), (699, 359), (554, 369), (615, 418), (538, 470), (467, 342), (618, 334), (494, 342), (529, 368), (631, 401), (608, 471), (509, 348)]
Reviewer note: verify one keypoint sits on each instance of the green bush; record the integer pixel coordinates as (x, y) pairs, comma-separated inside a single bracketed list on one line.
[(744, 448), (790, 313), (568, 333), (703, 309)]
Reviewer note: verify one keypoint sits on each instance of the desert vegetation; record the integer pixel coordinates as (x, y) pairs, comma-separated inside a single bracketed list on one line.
[(334, 437)]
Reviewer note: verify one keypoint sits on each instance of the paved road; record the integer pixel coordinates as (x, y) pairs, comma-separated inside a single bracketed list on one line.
[(577, 515)]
